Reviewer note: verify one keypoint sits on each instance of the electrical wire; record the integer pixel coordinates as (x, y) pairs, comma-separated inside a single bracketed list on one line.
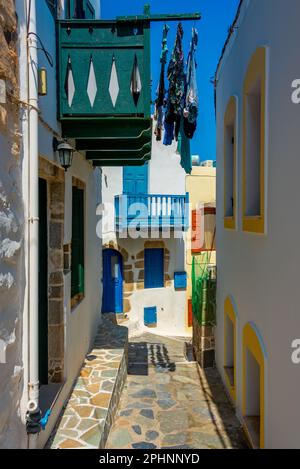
[(42, 48), (28, 17)]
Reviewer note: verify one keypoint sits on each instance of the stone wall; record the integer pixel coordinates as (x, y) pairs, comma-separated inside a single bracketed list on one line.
[(134, 269), (204, 344), (168, 301), (55, 178), (12, 272)]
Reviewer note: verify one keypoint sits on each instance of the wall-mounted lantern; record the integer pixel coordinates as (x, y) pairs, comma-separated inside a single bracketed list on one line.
[(65, 153)]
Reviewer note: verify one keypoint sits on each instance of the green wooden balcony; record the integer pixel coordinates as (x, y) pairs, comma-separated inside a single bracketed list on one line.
[(104, 89)]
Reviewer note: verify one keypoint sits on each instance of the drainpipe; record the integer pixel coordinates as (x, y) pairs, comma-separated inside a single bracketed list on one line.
[(33, 412)]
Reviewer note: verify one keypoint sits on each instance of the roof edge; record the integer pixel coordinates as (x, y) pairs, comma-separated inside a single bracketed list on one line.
[(230, 34)]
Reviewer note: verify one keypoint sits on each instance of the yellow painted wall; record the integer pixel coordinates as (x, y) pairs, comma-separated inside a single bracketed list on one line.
[(201, 185)]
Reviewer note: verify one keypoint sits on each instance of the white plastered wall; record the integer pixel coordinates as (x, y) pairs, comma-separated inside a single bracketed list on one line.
[(261, 272)]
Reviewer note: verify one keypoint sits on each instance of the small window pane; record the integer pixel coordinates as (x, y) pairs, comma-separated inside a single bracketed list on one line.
[(115, 267)]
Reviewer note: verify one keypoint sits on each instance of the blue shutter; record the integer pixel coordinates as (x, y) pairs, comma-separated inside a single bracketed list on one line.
[(154, 268), (150, 316), (135, 179)]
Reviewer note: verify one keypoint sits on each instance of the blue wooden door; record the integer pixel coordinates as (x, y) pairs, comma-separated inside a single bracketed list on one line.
[(135, 179), (154, 268), (112, 282)]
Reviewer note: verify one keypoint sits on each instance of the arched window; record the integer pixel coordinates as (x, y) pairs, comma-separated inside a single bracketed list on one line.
[(254, 134), (230, 163), (230, 339), (254, 357)]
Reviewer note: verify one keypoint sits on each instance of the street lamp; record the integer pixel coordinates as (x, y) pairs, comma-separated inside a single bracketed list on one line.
[(65, 153)]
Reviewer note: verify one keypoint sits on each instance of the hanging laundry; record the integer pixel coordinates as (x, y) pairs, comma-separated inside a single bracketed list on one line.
[(191, 109), (184, 149), (136, 82), (177, 80), (161, 90)]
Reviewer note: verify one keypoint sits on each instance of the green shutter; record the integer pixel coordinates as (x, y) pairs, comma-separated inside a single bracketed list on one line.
[(77, 281), (89, 10), (80, 9)]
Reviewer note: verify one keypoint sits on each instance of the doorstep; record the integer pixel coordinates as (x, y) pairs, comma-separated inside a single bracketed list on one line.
[(89, 413)]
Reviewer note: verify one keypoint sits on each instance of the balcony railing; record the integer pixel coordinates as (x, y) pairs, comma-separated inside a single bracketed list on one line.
[(155, 211)]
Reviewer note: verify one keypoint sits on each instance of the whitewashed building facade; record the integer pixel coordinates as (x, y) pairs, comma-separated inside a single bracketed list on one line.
[(139, 229), (257, 224)]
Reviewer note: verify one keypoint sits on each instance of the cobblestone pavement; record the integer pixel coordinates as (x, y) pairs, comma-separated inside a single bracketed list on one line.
[(168, 402)]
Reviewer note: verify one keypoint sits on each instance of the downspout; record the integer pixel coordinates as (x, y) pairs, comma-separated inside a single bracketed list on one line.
[(33, 412)]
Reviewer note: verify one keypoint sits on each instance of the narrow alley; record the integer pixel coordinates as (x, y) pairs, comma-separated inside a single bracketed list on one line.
[(168, 402), (148, 191)]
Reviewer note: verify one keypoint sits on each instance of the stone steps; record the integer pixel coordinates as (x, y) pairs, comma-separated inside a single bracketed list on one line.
[(88, 415)]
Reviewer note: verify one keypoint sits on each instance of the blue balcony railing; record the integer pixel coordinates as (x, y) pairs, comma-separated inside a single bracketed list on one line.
[(155, 211)]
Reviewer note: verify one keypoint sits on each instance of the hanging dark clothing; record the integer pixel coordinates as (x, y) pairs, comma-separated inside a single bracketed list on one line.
[(160, 103), (184, 148), (191, 109), (175, 99), (161, 90)]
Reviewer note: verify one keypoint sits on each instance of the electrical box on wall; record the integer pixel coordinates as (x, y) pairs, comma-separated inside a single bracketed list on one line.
[(150, 316), (42, 82), (180, 280)]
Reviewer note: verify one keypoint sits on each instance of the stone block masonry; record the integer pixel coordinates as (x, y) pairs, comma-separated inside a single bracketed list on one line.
[(12, 271), (203, 344), (134, 269)]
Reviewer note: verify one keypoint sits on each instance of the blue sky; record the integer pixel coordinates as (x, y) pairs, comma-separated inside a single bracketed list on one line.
[(217, 16)]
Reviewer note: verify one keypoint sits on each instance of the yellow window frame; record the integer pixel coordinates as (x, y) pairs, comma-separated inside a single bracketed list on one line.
[(256, 70), (230, 116)]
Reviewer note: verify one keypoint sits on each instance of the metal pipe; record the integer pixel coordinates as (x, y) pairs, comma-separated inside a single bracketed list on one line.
[(161, 18), (33, 410)]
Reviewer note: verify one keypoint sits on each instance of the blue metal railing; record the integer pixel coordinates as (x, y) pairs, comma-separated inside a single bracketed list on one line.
[(152, 211)]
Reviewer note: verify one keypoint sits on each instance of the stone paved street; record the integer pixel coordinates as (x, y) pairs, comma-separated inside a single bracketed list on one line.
[(168, 402)]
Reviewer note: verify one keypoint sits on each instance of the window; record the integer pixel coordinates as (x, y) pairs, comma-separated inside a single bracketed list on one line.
[(230, 145), (254, 358), (230, 347), (203, 229), (89, 11), (254, 144), (154, 268), (77, 260), (115, 267), (79, 9)]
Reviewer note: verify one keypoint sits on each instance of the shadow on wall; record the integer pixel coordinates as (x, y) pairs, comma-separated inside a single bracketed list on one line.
[(142, 355)]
